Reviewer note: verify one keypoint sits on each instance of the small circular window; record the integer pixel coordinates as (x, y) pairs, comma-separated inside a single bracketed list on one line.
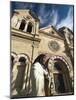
[(53, 45)]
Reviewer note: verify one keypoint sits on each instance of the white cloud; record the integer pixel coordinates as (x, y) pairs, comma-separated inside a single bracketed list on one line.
[(48, 17), (68, 21), (54, 16), (43, 14)]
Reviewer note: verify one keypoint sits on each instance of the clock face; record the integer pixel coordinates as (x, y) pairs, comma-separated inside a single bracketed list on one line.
[(53, 45)]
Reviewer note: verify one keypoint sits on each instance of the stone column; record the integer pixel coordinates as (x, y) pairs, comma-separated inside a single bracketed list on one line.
[(51, 77)]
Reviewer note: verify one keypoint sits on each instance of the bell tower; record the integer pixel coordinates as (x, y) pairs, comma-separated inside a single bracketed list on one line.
[(25, 28), (25, 21)]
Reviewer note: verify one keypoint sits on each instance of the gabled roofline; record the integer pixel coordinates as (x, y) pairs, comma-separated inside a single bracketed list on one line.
[(49, 26), (45, 33), (45, 27)]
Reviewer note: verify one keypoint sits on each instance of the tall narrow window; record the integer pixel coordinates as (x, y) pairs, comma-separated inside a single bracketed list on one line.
[(29, 28), (22, 26)]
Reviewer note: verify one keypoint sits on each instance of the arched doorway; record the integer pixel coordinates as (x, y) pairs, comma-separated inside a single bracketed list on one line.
[(62, 79), (20, 75)]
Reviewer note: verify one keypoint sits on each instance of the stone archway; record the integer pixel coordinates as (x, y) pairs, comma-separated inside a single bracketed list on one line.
[(21, 73), (61, 75), (22, 68)]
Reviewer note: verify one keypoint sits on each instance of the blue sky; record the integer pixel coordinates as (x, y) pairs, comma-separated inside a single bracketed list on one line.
[(49, 14)]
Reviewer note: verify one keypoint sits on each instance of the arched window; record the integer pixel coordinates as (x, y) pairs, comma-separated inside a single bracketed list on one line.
[(22, 26), (29, 28)]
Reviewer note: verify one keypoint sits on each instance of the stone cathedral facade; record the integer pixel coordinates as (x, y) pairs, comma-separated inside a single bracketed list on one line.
[(28, 41)]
